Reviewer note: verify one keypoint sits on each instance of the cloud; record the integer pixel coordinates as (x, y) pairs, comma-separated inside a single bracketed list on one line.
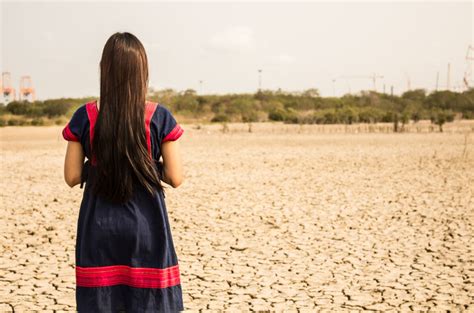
[(233, 39)]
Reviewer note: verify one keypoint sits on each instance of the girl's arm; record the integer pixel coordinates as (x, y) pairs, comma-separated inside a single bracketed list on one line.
[(172, 165), (73, 163)]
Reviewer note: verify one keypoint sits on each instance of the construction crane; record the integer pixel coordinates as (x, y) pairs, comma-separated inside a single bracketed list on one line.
[(468, 73), (373, 77), (6, 88), (26, 88)]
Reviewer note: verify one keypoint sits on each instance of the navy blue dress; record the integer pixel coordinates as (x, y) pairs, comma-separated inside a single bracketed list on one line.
[(125, 256)]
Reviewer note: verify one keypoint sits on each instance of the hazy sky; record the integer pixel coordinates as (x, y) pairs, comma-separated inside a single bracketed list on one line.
[(297, 45)]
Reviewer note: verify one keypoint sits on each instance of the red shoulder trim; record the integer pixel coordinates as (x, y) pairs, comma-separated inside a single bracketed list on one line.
[(68, 135), (92, 113), (150, 108), (139, 277), (174, 134)]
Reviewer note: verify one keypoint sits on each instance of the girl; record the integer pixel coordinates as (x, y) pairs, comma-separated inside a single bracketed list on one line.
[(125, 257)]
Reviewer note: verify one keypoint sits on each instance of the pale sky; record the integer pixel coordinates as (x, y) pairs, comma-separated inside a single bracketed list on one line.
[(297, 45)]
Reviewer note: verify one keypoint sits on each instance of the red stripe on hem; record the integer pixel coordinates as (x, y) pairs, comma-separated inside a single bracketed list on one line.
[(68, 135), (174, 134), (164, 284), (140, 277), (114, 268)]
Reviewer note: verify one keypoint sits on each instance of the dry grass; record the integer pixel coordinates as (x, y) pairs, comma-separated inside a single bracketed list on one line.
[(284, 217)]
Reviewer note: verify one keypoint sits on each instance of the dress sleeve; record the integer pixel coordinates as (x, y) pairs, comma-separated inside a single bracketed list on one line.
[(74, 128), (169, 129)]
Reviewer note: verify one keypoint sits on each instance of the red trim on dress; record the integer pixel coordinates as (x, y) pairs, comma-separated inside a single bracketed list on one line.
[(68, 135), (139, 277), (92, 113), (174, 134), (150, 109)]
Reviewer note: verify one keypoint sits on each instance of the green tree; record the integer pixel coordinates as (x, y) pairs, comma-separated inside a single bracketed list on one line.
[(277, 114), (54, 108), (18, 107), (311, 93), (445, 100), (417, 95), (440, 117)]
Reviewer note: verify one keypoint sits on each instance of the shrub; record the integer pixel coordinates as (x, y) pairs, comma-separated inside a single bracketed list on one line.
[(187, 102), (306, 119), (370, 115), (52, 109), (250, 116), (277, 114), (416, 116), (270, 106), (468, 115), (331, 116), (291, 116), (405, 117), (18, 108), (418, 95), (220, 118), (36, 110), (37, 122), (18, 122), (241, 105), (439, 117), (388, 117), (347, 115)]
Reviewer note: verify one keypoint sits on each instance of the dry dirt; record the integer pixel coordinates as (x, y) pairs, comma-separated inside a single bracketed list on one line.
[(285, 217)]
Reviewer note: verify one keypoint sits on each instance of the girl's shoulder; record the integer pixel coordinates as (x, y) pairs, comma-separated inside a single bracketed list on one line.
[(161, 110), (74, 129), (168, 128)]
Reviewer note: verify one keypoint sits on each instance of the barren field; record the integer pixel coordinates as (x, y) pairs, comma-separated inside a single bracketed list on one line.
[(281, 218)]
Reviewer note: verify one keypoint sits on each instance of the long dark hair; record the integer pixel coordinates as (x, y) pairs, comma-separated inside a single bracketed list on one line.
[(119, 143)]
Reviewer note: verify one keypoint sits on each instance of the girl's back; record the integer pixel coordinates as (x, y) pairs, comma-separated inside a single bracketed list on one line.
[(125, 256)]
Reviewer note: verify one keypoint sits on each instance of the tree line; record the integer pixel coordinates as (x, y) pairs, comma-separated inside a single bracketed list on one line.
[(306, 107)]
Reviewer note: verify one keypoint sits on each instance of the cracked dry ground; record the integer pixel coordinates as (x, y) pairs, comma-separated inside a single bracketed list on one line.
[(267, 221)]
